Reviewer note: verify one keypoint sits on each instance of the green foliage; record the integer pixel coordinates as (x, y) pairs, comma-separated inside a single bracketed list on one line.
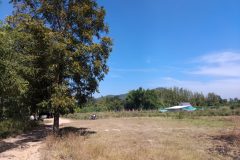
[(15, 126), (104, 104), (166, 97), (13, 68), (173, 96), (141, 99), (234, 103), (110, 104), (69, 46), (154, 99), (213, 99), (114, 104), (61, 97), (77, 42), (135, 99), (91, 106)]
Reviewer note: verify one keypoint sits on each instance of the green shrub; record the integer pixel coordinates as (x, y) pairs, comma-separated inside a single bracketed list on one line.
[(12, 127)]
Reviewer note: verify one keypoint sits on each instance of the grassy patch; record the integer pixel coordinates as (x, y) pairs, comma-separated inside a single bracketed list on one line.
[(209, 122), (154, 113), (78, 148), (104, 115), (140, 138)]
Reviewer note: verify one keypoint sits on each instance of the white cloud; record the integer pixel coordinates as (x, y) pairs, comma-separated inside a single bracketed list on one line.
[(225, 64), (227, 88), (222, 57), (226, 70)]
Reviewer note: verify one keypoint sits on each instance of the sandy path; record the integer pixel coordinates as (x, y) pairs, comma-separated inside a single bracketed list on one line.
[(26, 146)]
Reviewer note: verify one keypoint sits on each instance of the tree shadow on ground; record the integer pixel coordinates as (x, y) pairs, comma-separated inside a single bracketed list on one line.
[(21, 141), (81, 131), (39, 134)]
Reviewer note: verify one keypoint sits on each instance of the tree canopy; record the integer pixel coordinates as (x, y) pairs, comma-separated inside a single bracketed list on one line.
[(67, 49)]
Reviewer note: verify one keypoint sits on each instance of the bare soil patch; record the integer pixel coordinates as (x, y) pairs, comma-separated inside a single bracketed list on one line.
[(26, 146)]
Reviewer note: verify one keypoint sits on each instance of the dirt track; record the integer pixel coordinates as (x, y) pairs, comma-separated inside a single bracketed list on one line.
[(26, 146)]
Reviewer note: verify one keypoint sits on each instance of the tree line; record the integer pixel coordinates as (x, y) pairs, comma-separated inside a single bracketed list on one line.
[(53, 54), (153, 99)]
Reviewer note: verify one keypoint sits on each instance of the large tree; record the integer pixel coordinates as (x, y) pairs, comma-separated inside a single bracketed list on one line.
[(74, 49)]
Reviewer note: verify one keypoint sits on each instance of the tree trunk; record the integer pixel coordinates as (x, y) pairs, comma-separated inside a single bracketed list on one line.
[(56, 123)]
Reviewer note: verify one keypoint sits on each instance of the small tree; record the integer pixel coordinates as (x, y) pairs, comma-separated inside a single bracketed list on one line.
[(213, 99)]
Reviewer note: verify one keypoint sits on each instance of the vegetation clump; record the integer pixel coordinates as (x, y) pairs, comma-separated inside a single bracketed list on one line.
[(15, 126)]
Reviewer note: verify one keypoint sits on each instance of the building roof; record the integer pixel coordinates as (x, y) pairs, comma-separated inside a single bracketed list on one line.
[(177, 107)]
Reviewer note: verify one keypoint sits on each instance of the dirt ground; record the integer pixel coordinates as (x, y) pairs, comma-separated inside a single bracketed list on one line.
[(26, 146), (129, 138)]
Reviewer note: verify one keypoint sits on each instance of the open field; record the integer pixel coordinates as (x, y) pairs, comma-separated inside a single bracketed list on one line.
[(146, 138)]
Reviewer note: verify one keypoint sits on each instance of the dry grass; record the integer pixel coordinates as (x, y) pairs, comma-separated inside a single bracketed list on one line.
[(142, 139)]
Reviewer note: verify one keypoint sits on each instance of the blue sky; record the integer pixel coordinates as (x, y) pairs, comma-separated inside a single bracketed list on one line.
[(193, 44)]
